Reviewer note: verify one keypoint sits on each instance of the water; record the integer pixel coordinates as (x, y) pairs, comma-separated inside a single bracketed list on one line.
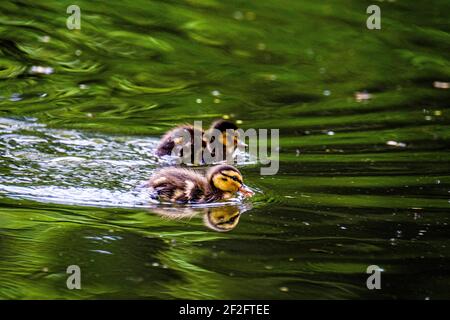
[(364, 134)]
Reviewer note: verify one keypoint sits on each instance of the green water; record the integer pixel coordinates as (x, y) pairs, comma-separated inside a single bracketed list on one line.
[(361, 181)]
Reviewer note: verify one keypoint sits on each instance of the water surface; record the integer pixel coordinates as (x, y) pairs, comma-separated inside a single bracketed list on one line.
[(364, 131)]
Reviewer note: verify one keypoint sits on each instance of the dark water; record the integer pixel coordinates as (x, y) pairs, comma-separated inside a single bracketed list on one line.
[(364, 160)]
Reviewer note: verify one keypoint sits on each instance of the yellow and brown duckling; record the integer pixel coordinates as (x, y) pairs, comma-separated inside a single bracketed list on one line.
[(181, 185), (177, 138)]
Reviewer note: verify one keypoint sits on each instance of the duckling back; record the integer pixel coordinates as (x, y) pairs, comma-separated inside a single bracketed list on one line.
[(181, 136), (179, 185)]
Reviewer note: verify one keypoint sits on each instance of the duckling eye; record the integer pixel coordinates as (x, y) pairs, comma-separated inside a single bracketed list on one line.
[(224, 179), (234, 178)]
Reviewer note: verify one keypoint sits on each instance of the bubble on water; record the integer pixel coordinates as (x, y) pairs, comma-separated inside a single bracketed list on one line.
[(238, 15), (102, 252), (362, 96), (215, 93), (111, 238), (395, 143), (199, 100), (441, 84), (216, 100), (15, 97), (44, 39), (326, 93), (284, 289), (330, 133), (41, 70)]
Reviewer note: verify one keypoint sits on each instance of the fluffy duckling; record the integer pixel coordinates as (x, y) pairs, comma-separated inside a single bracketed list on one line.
[(177, 138), (181, 185)]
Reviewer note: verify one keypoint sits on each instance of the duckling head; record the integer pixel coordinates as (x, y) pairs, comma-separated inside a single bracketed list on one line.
[(229, 180), (223, 126)]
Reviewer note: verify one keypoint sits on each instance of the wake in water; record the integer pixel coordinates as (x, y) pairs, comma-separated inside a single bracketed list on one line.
[(73, 167)]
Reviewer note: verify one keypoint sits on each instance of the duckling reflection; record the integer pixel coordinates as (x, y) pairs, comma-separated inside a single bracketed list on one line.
[(222, 219)]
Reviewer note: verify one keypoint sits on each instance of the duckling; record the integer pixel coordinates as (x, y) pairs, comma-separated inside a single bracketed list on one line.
[(177, 138), (180, 185)]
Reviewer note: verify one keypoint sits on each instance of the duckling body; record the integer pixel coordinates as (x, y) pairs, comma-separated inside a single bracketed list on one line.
[(181, 185), (181, 136)]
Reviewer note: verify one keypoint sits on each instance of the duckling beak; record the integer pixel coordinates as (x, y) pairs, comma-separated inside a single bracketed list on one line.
[(241, 144), (246, 191)]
